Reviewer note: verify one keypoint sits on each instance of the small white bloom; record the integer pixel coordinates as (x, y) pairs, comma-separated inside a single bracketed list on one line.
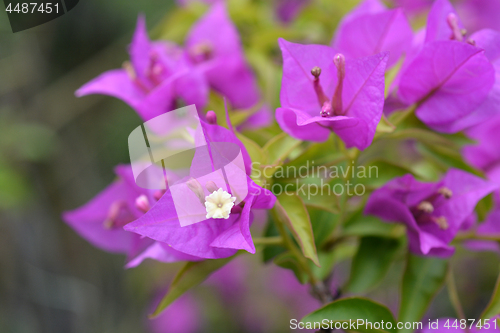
[(219, 204)]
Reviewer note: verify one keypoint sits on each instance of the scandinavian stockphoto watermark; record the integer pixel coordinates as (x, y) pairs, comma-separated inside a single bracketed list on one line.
[(437, 325), (327, 180)]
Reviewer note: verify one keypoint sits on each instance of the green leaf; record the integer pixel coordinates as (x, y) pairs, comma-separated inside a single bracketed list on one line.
[(292, 211), (354, 308), (379, 172), (446, 157), (328, 260), (279, 147), (422, 135), (493, 308), (423, 278), (318, 154), (368, 225), (372, 262), (288, 261), (255, 152), (271, 251), (323, 222), (191, 275)]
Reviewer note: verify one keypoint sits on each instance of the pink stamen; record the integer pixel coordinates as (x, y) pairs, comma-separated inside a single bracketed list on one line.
[(326, 110), (158, 194), (142, 203), (211, 186), (457, 33), (211, 118), (113, 212), (127, 66), (339, 61), (322, 99)]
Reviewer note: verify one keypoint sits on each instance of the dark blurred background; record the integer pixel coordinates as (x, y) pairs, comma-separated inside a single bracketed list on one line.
[(56, 152)]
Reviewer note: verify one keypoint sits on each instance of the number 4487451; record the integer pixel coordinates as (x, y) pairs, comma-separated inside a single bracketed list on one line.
[(470, 323), (33, 7)]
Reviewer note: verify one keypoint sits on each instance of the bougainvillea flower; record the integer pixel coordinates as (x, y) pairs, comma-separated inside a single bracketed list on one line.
[(489, 41), (370, 29), (160, 73), (215, 47), (101, 220), (485, 155), (321, 91), (215, 237), (448, 80), (157, 73), (432, 212), (212, 238)]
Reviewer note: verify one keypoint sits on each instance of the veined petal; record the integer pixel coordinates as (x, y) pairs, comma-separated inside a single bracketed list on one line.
[(450, 80), (369, 34)]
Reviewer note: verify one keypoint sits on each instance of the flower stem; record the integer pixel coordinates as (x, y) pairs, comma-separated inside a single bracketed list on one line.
[(473, 236), (454, 299), (401, 116), (277, 240)]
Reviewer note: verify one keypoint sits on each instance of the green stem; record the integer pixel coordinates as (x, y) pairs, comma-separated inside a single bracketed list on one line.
[(469, 236), (454, 299), (398, 119), (277, 240)]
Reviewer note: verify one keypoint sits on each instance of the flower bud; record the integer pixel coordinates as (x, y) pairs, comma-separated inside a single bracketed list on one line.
[(211, 118), (211, 186), (195, 186)]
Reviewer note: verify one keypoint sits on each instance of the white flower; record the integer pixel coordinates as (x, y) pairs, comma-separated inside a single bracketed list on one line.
[(219, 204)]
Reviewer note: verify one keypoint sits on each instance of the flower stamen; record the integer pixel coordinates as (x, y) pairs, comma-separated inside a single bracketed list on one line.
[(339, 61), (142, 203), (457, 33), (322, 99), (426, 207), (441, 222), (445, 192)]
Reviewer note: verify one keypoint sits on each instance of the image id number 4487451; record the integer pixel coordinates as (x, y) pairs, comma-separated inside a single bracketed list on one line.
[(33, 7)]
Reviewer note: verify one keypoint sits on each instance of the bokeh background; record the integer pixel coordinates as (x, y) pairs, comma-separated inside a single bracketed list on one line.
[(58, 151)]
